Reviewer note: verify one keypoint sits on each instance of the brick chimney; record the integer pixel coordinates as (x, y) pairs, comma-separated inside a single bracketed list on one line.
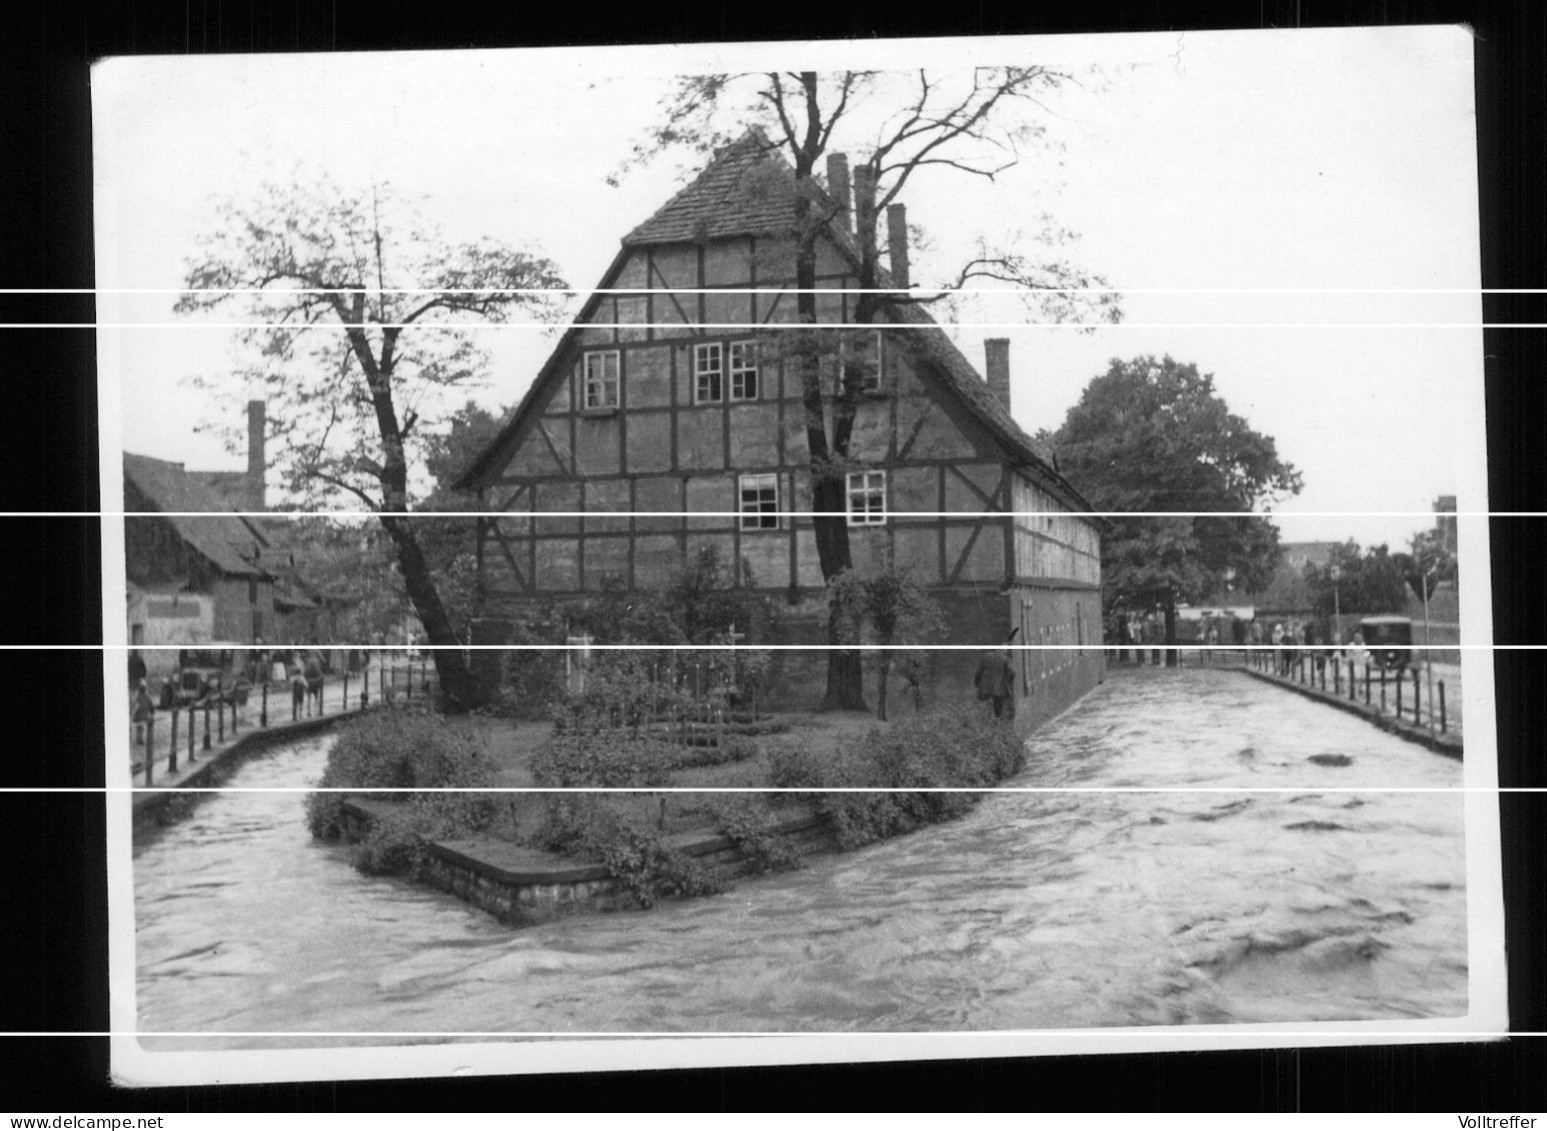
[(996, 367), (257, 463), (838, 188), (897, 243)]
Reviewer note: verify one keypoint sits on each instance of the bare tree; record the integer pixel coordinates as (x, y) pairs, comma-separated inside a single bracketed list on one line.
[(356, 315), (978, 124)]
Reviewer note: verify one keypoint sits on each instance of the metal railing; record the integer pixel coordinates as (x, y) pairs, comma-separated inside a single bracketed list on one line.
[(168, 740)]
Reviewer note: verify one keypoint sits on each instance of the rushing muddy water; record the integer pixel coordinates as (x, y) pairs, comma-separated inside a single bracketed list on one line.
[(1035, 911)]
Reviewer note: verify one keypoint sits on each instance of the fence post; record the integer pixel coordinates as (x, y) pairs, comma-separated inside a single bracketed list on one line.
[(1442, 706), (1416, 700), (1398, 682), (408, 684), (1337, 678), (220, 709), (322, 697), (150, 762), (172, 745), (192, 726), (206, 723), (150, 741), (1383, 691), (346, 684), (1366, 685), (263, 716), (233, 712)]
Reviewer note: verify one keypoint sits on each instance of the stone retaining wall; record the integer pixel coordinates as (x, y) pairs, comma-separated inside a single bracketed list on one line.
[(523, 886)]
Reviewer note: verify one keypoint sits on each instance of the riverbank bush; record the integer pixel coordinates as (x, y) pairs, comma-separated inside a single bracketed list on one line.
[(591, 828), (404, 750), (956, 749)]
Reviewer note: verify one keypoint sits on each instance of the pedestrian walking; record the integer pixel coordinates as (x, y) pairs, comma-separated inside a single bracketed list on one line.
[(297, 694), (314, 682), (143, 709), (995, 679)]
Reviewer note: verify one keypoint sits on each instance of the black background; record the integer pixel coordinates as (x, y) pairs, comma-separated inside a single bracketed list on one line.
[(51, 729)]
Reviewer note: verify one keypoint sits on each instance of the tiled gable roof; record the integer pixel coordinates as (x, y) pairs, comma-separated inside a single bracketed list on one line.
[(744, 191), (219, 535)]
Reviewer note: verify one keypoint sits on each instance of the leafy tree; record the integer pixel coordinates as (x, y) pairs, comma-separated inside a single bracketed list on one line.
[(895, 606), (1433, 556), (1363, 582), (977, 123), (1153, 436), (334, 286)]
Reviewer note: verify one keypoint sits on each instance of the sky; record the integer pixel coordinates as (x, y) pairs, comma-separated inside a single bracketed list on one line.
[(1233, 163)]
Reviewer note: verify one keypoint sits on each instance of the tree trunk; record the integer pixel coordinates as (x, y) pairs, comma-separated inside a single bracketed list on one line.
[(456, 682), (886, 667), (845, 680)]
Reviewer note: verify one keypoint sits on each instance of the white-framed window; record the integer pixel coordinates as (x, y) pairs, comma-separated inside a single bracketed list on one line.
[(708, 373), (601, 379), (867, 498), (759, 502), (868, 352), (743, 367)]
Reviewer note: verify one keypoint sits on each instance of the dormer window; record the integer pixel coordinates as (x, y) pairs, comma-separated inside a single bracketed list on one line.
[(601, 379)]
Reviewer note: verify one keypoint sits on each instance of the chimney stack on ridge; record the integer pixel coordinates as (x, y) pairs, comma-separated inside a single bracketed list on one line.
[(838, 188), (257, 463), (996, 366), (897, 243)]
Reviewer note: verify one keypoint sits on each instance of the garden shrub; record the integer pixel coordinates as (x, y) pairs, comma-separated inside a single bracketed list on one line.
[(745, 822), (643, 865), (404, 750), (956, 748)]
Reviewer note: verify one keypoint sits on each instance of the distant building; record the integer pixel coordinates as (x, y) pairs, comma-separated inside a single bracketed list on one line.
[(668, 421), (1445, 522), (202, 566)]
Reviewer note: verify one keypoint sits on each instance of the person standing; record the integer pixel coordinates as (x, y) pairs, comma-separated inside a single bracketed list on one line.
[(142, 711), (995, 679)]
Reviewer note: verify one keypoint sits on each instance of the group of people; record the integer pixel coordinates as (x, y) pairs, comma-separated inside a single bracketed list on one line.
[(303, 672)]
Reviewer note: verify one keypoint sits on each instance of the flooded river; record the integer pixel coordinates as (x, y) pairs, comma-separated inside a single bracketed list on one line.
[(1035, 911)]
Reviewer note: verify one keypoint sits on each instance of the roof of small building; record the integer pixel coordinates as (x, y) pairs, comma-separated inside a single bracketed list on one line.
[(225, 539), (745, 191)]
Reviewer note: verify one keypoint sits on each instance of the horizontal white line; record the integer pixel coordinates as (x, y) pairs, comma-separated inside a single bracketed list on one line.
[(1338, 1035), (600, 514), (362, 790), (916, 290), (1099, 646), (750, 327)]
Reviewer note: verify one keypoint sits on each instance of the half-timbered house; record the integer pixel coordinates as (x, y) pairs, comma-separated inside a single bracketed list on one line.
[(666, 421)]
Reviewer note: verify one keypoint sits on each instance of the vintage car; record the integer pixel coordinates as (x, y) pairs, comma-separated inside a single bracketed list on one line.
[(1390, 641), (207, 670)]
